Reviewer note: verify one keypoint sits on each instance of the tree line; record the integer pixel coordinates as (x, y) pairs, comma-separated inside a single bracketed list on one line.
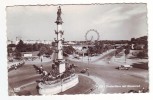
[(23, 47)]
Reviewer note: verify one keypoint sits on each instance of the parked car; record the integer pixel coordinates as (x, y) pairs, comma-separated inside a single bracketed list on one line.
[(15, 65), (127, 67)]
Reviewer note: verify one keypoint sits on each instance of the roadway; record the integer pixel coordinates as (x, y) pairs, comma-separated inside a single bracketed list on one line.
[(116, 78), (116, 81), (133, 79)]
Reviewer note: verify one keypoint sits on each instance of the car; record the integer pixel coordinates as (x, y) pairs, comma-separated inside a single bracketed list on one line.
[(84, 71), (127, 67), (76, 57)]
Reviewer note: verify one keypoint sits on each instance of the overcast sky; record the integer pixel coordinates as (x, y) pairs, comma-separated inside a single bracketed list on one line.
[(112, 21)]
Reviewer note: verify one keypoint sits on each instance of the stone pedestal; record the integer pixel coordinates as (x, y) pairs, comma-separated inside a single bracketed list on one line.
[(57, 86)]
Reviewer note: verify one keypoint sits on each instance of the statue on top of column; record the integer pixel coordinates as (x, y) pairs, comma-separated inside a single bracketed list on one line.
[(59, 12)]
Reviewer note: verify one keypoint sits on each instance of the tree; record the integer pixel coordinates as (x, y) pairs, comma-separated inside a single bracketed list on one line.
[(20, 46), (17, 54), (127, 51), (28, 47), (49, 51), (141, 55), (11, 45), (42, 50), (91, 50), (118, 50), (35, 47), (45, 50), (99, 47), (133, 40), (68, 49), (9, 50)]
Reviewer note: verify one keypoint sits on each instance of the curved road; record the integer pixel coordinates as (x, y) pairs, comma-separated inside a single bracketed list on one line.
[(114, 80)]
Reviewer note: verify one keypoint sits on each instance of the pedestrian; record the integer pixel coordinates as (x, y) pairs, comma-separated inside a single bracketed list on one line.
[(41, 59), (87, 70), (88, 73)]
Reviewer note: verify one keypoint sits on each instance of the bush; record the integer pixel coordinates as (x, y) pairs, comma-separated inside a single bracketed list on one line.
[(141, 55)]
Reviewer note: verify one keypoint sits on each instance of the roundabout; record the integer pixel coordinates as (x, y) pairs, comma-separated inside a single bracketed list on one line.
[(88, 74)]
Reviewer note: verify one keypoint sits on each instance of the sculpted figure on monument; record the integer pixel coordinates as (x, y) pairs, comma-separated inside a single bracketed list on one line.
[(59, 13)]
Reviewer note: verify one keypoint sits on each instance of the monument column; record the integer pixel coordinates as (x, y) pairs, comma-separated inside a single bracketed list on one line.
[(51, 87), (59, 41)]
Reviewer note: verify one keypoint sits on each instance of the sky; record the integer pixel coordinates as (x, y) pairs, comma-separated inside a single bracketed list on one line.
[(111, 21)]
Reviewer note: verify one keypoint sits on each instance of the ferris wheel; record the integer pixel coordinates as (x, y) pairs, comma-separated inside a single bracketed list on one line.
[(92, 35)]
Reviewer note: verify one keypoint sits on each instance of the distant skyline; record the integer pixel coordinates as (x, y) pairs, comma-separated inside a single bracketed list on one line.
[(112, 21)]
